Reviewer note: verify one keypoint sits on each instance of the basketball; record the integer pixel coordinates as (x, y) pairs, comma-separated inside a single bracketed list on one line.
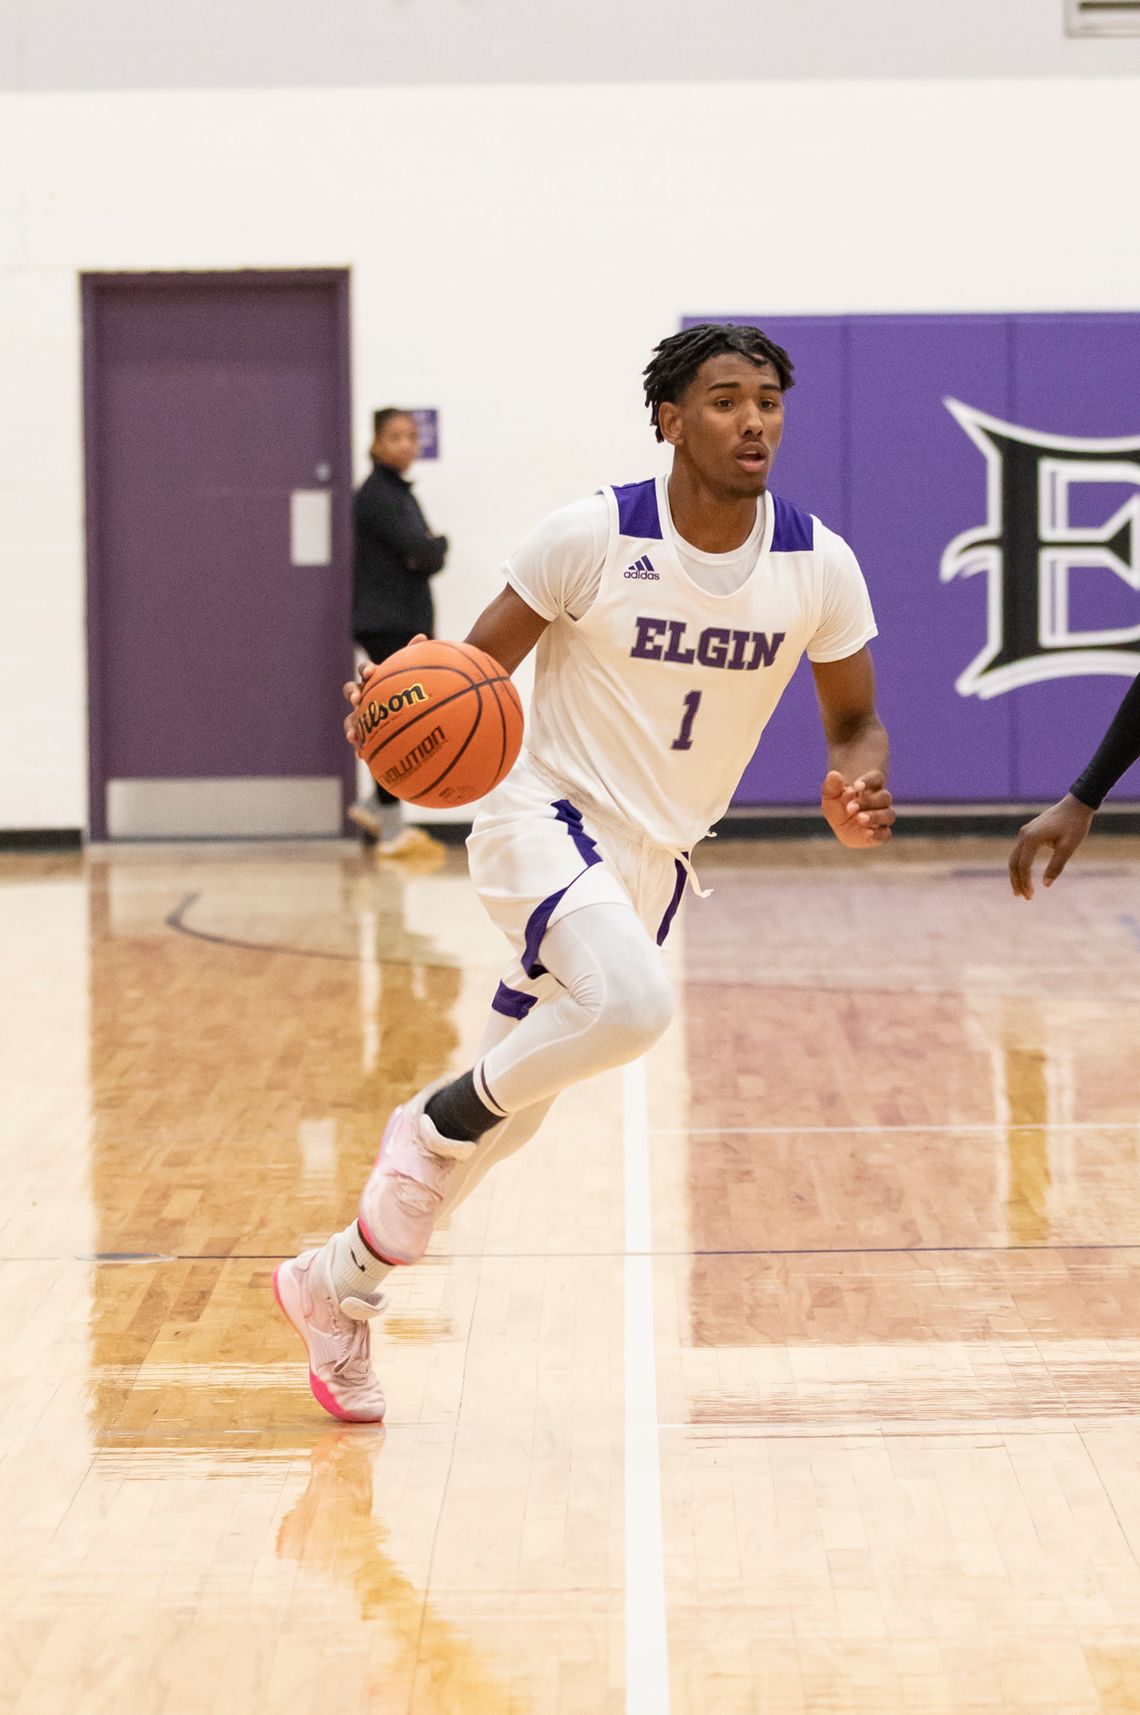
[(439, 724)]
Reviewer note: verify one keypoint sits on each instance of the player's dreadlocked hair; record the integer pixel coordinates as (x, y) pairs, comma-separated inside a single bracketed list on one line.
[(676, 360)]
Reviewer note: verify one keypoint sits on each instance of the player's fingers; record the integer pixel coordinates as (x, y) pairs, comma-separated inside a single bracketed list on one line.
[(874, 800), (366, 667), (877, 818), (1062, 852), (351, 692), (834, 785), (864, 838), (872, 782), (1021, 865)]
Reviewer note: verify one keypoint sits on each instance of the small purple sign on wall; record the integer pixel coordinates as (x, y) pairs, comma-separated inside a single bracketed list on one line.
[(426, 419), (986, 471)]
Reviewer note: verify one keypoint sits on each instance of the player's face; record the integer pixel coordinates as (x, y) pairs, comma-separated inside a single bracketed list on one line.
[(398, 444), (728, 423)]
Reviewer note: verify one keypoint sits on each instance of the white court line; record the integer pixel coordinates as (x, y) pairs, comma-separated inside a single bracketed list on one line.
[(859, 1130), (646, 1637)]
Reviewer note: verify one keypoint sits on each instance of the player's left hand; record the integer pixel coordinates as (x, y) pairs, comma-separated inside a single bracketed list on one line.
[(859, 812)]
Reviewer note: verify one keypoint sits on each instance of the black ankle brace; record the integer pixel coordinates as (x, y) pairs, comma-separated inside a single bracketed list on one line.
[(457, 1112)]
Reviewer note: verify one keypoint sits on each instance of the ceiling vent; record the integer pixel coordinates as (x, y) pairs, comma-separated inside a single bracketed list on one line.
[(1102, 17)]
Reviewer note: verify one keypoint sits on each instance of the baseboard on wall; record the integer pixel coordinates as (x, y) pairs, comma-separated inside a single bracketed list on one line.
[(448, 833), (41, 839), (752, 822), (804, 822)]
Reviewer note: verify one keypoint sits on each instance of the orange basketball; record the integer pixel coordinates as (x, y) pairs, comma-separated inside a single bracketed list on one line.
[(439, 724)]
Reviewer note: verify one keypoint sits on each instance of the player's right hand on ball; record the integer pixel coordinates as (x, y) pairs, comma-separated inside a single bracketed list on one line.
[(352, 690), (1063, 827)]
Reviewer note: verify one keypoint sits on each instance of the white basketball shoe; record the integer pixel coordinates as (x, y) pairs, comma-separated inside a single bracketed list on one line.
[(400, 1203), (337, 1335)]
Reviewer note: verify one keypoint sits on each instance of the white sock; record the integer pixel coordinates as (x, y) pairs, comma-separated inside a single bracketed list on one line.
[(356, 1271), (391, 821)]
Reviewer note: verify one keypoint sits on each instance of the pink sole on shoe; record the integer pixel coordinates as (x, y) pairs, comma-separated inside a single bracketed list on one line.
[(316, 1386), (323, 1397), (371, 1242)]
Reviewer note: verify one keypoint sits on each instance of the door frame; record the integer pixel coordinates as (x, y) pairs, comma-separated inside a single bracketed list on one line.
[(94, 289)]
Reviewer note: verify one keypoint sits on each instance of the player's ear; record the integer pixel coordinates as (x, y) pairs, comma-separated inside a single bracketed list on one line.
[(670, 422)]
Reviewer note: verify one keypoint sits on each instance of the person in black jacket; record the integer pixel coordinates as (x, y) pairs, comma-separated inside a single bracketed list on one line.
[(395, 558)]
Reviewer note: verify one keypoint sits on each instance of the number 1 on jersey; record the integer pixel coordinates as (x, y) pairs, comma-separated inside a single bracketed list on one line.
[(684, 739)]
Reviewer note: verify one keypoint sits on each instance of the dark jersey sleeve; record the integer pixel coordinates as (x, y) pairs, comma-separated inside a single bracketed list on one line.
[(1118, 750)]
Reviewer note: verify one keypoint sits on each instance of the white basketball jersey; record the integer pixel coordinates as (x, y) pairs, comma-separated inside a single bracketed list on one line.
[(650, 705)]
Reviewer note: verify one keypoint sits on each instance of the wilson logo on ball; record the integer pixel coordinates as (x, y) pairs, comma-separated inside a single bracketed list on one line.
[(373, 714)]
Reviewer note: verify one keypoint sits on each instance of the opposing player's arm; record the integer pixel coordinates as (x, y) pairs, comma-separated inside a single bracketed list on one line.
[(508, 629), (854, 798), (1065, 826)]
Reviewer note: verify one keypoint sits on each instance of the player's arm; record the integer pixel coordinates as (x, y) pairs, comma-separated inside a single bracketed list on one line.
[(1065, 825), (507, 629), (554, 565), (854, 798)]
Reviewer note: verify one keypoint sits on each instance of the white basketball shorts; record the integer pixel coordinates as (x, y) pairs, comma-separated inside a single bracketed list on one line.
[(535, 856)]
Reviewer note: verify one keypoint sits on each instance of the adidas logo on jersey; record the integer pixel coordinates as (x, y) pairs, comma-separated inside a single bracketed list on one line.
[(642, 568)]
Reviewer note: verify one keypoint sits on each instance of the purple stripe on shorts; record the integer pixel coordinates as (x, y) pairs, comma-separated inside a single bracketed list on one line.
[(572, 817), (667, 920), (535, 930), (512, 1003)]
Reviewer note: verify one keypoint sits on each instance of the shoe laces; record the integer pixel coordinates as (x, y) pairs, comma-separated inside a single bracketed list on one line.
[(354, 1363), (420, 1199), (348, 1341)]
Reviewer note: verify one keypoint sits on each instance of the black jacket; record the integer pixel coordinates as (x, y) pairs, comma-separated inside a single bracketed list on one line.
[(395, 555)]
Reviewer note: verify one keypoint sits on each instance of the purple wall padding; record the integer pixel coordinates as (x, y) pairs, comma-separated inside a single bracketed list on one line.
[(870, 447)]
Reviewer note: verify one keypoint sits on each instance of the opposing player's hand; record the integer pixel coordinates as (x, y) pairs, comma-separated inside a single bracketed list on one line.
[(1063, 827), (859, 812), (352, 690)]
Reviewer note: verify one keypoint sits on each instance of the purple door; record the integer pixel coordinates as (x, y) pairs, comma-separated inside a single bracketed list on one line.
[(219, 548)]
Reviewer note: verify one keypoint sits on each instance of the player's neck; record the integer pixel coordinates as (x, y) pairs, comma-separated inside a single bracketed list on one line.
[(707, 518)]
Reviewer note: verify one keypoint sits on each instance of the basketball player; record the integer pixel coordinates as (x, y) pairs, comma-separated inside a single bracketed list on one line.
[(1065, 825), (668, 616)]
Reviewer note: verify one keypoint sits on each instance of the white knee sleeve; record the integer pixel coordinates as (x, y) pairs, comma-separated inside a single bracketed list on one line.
[(635, 1010), (614, 1002)]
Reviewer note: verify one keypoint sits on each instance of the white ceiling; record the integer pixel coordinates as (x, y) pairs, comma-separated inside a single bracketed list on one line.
[(188, 44)]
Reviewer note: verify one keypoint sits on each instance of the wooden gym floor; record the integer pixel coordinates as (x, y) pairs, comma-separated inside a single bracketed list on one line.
[(797, 1369)]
